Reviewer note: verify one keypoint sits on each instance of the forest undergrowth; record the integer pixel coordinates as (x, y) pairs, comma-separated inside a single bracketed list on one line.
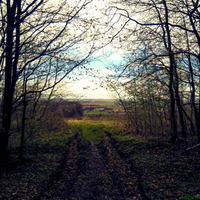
[(98, 159)]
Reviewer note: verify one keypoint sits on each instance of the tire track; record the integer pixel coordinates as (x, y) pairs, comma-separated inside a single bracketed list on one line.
[(95, 182), (68, 175), (126, 182), (107, 176), (94, 172)]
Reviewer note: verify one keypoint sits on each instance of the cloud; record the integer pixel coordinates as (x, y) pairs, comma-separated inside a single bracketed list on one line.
[(115, 56)]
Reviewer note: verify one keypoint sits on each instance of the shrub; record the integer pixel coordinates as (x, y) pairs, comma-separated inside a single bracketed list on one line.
[(72, 109)]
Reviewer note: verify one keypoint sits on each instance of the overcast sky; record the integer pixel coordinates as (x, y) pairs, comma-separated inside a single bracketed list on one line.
[(88, 87)]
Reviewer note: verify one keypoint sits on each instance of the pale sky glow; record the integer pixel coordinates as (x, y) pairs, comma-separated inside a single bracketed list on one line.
[(98, 94), (91, 91), (89, 87)]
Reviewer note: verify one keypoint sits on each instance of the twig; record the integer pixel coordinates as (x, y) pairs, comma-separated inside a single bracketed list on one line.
[(188, 149)]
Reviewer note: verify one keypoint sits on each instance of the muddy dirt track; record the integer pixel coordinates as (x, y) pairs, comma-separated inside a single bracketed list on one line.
[(94, 171)]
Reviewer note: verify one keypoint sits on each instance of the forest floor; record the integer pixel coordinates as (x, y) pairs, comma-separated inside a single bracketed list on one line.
[(90, 168), (94, 171), (94, 161)]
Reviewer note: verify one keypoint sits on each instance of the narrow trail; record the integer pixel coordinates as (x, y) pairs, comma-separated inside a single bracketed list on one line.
[(94, 173), (94, 181)]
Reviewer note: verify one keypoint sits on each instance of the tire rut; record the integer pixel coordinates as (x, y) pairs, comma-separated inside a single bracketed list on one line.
[(95, 183), (132, 174), (94, 172), (107, 176), (125, 181), (68, 175)]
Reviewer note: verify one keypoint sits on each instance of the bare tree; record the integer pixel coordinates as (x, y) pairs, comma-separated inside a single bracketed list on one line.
[(169, 30), (32, 34)]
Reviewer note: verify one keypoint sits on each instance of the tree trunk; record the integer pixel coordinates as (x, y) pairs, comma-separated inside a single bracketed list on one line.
[(10, 75), (7, 96), (180, 109), (23, 121), (171, 78)]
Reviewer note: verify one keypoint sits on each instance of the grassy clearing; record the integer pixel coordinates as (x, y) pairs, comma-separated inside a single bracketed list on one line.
[(107, 125), (100, 107), (97, 111), (111, 120), (99, 102), (91, 131)]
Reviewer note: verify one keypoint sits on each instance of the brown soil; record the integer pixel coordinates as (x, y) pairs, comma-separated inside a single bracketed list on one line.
[(94, 172)]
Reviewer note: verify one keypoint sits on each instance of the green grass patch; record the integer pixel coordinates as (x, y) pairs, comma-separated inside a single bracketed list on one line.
[(39, 173), (105, 112), (95, 111), (86, 111), (114, 121), (48, 143), (91, 131)]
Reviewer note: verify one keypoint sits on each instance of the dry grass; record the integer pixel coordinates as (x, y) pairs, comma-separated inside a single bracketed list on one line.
[(110, 120)]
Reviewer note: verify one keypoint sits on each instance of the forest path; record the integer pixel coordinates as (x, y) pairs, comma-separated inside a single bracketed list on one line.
[(94, 171)]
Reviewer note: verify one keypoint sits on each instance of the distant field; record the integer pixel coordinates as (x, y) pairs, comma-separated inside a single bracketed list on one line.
[(101, 106), (99, 101)]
